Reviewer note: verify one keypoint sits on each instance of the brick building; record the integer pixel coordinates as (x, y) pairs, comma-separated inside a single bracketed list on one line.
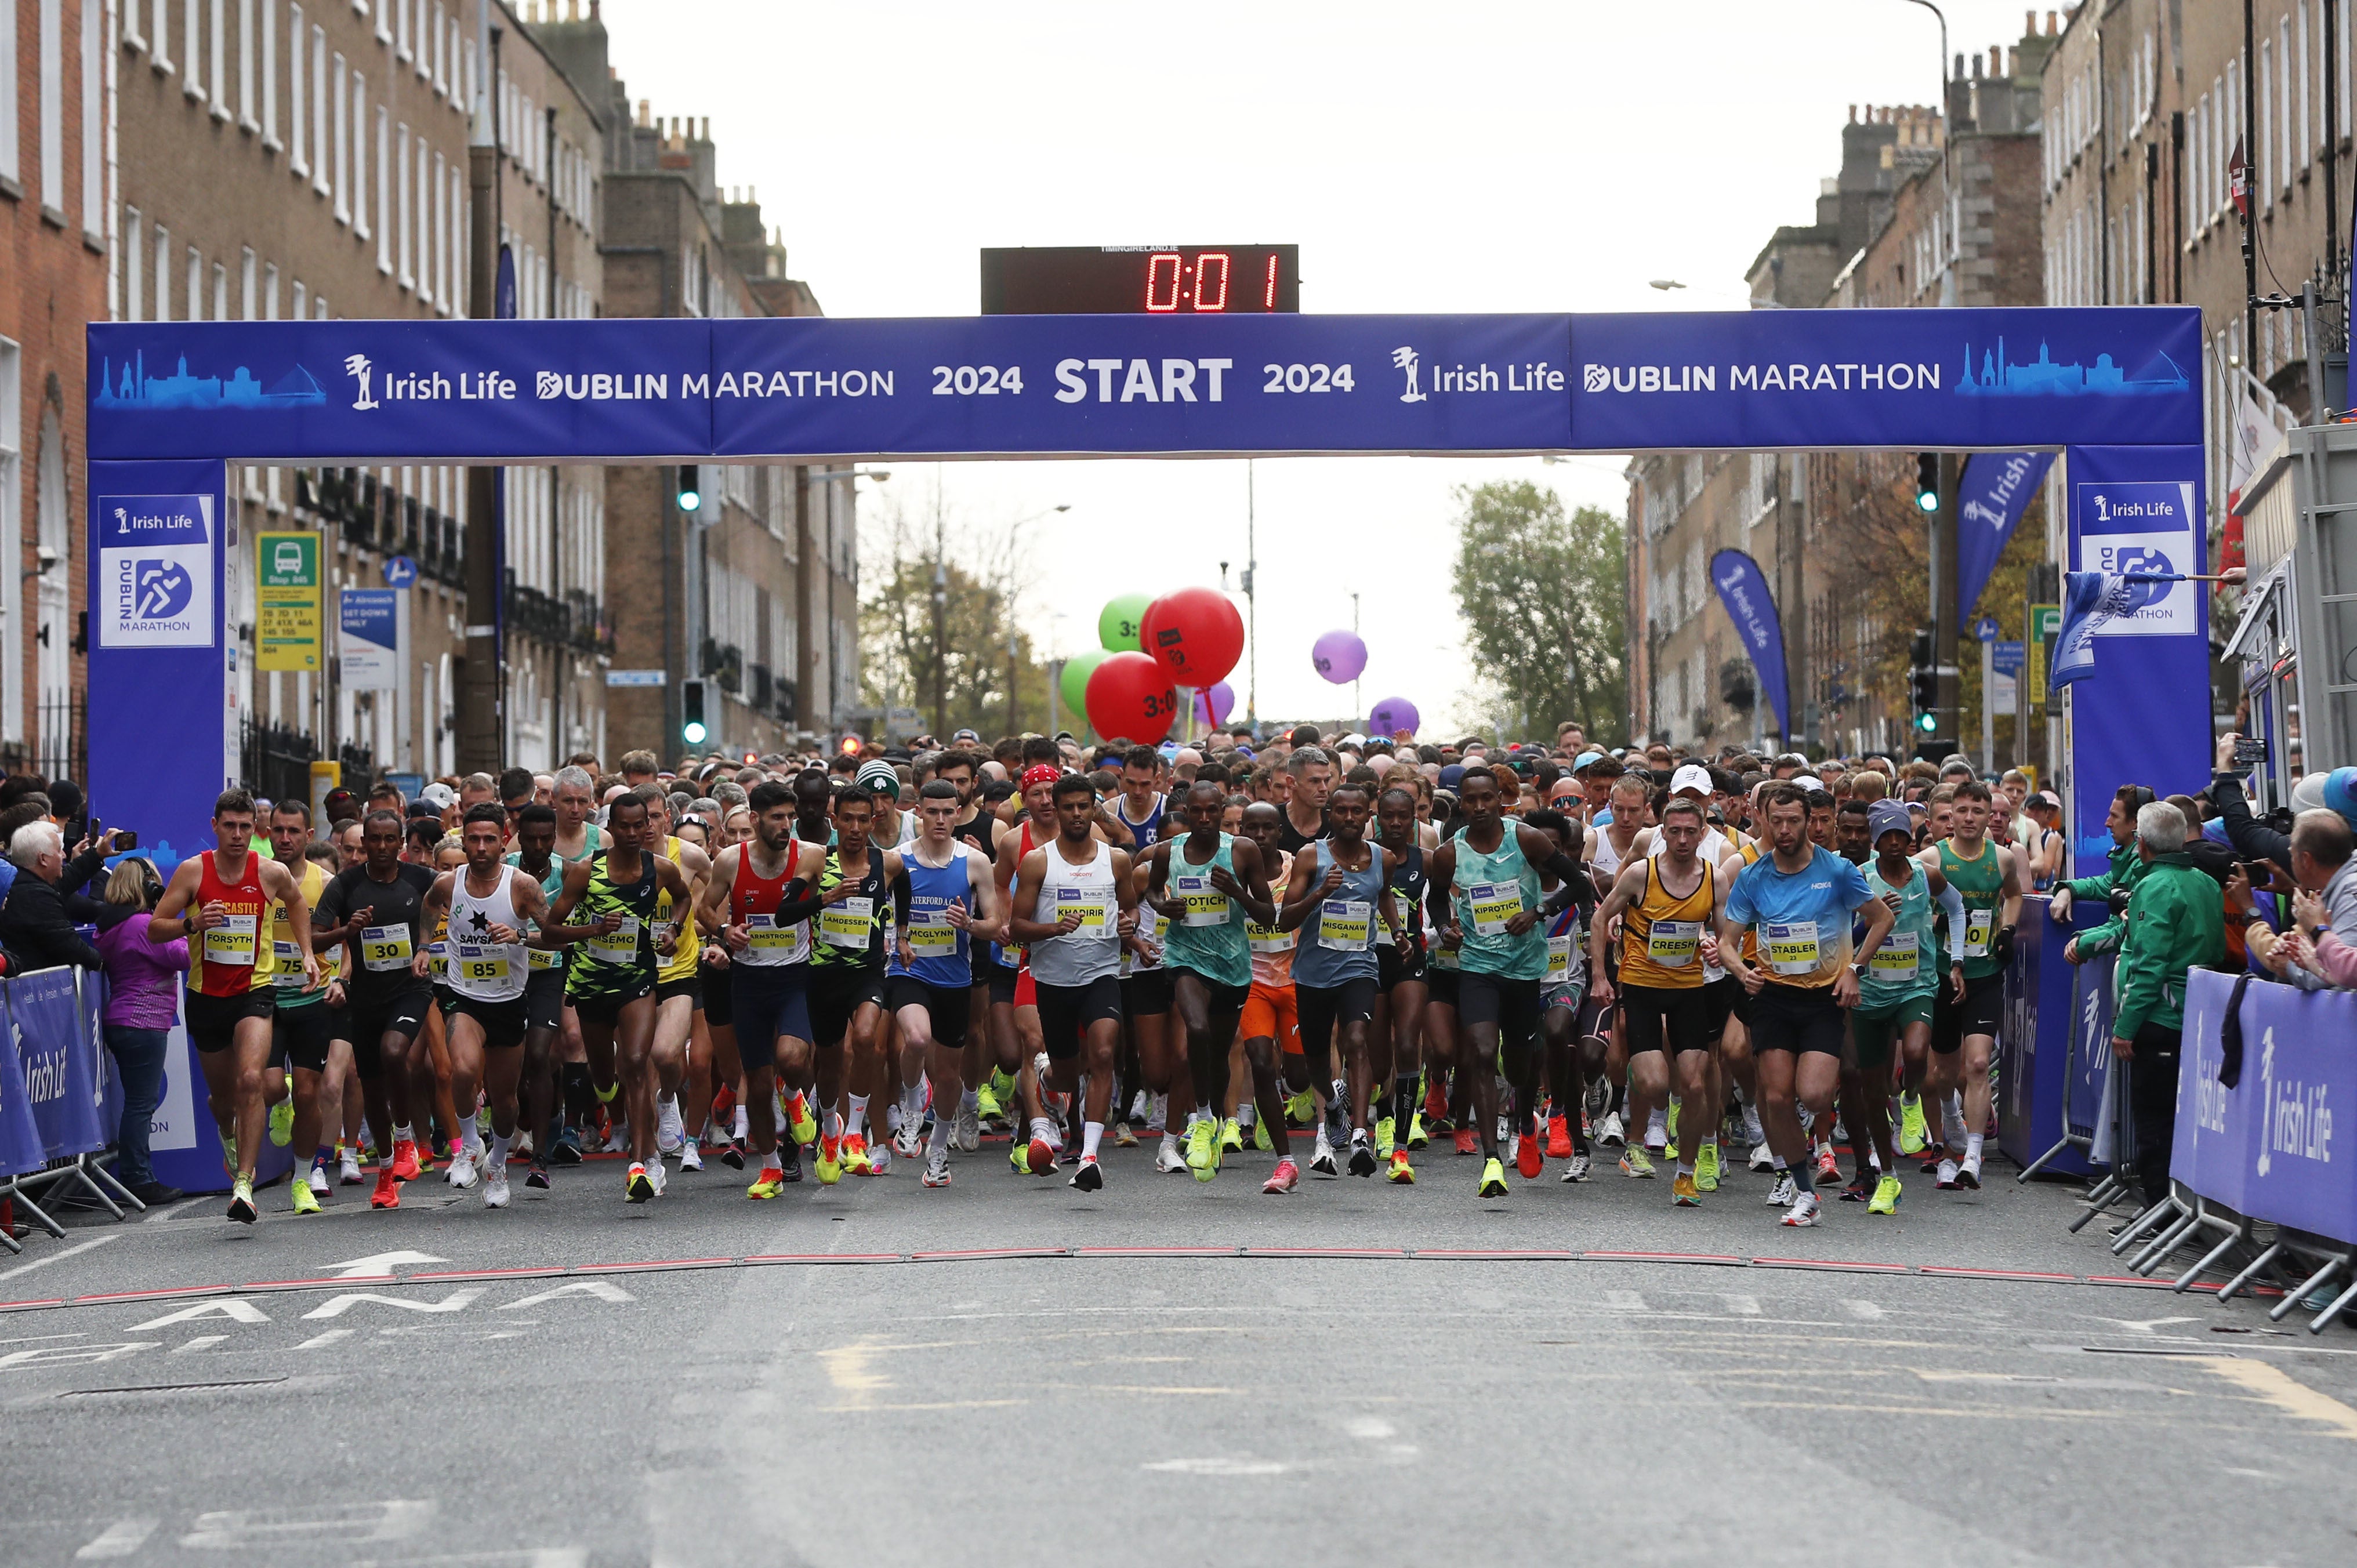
[(53, 227)]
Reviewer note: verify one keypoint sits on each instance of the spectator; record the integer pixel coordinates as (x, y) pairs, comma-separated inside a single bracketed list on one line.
[(36, 924), (2174, 923), (2043, 845), (2324, 950), (2127, 869), (142, 999)]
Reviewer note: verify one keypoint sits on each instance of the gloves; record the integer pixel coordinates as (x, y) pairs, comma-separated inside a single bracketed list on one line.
[(2002, 949)]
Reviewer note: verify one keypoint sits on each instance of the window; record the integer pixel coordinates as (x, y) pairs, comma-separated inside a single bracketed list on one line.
[(302, 312), (217, 14), (270, 291), (321, 171), (160, 58), (2347, 113), (12, 483), (245, 284), (2282, 129), (2303, 125), (424, 263), (245, 64), (53, 105), (408, 277), (401, 25), (2263, 154), (134, 273), (269, 74), (10, 168), (163, 277), (192, 48), (459, 290), (359, 164), (383, 190), (441, 76), (343, 166), (195, 285), (221, 292), (298, 158), (384, 21)]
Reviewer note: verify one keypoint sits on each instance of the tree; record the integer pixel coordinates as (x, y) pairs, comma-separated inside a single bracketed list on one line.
[(1543, 599), (897, 648)]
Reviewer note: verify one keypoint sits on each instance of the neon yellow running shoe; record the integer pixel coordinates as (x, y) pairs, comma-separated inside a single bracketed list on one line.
[(770, 1183), (241, 1201), (1382, 1137), (1203, 1149), (799, 1117), (1402, 1173), (1300, 1109), (282, 1122), (1018, 1154), (305, 1200), (1260, 1137), (1493, 1179), (830, 1160), (1417, 1137), (1635, 1162), (1886, 1194), (1914, 1137), (1706, 1167)]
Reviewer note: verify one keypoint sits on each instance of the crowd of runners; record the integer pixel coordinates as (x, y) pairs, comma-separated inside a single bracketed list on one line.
[(1321, 956)]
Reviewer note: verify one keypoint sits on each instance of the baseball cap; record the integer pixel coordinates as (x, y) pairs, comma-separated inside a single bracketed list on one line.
[(1887, 817), (1451, 775), (1811, 784), (965, 737), (1693, 776), (440, 794), (1586, 760), (2042, 797)]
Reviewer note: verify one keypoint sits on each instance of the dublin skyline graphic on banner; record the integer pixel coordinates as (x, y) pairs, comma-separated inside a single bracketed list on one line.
[(136, 389)]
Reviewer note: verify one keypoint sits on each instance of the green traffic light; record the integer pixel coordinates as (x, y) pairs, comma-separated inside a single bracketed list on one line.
[(1926, 723), (694, 732)]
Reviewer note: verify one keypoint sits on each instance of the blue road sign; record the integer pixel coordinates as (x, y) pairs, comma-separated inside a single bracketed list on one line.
[(1985, 630), (400, 571), (2008, 657)]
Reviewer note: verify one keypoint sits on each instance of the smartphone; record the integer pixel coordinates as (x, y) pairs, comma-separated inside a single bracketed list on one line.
[(125, 840), (2248, 751)]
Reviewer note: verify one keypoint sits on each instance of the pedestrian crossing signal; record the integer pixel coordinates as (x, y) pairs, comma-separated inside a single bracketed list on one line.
[(1927, 480), (692, 727)]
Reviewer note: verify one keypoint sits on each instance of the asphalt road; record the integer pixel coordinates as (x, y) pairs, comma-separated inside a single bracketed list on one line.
[(1240, 1402)]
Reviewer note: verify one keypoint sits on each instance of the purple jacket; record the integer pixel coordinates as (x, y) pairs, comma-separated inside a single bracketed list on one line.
[(142, 977)]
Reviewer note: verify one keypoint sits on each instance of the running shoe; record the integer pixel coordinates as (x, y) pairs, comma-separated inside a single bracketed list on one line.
[(967, 1135), (1577, 1170), (1436, 1100), (1946, 1176), (1685, 1194), (908, 1137), (462, 1168), (1886, 1194), (1040, 1157), (1828, 1167), (1417, 1138), (1763, 1158), (1260, 1136), (1322, 1158), (1968, 1173), (229, 1157), (937, 1168), (318, 1181), (670, 1130), (637, 1185), (659, 1173), (1466, 1142), (769, 1183), (1860, 1187), (1203, 1149), (347, 1167), (1609, 1131), (1753, 1133), (1362, 1156), (1636, 1163), (830, 1160), (691, 1157), (1803, 1210), (1124, 1136), (1086, 1177), (1530, 1159), (1018, 1154), (1300, 1109), (798, 1119), (306, 1201), (281, 1121), (1780, 1195), (1384, 1140), (1493, 1179), (1232, 1136), (1401, 1174), (986, 1104), (388, 1189), (1559, 1138), (426, 1156), (879, 1160), (241, 1201), (535, 1176), (1667, 1120), (495, 1186), (406, 1166), (1170, 1160), (856, 1157), (565, 1149), (1706, 1167), (1285, 1178)]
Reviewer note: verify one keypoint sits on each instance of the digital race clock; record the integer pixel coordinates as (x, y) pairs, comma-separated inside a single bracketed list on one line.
[(1122, 280)]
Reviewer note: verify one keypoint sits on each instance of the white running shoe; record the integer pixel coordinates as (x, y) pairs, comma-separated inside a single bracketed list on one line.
[(618, 1140), (691, 1158), (968, 1134), (318, 1180), (1609, 1131), (1170, 1159), (908, 1137), (347, 1167), (1780, 1195), (1322, 1159), (1803, 1210), (1946, 1178), (495, 1184), (1763, 1158), (879, 1158), (1657, 1129), (670, 1134), (1753, 1133), (659, 1173), (462, 1168), (937, 1166), (1577, 1170)]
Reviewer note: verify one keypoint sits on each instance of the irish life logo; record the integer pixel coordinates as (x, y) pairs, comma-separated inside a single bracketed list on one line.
[(155, 571)]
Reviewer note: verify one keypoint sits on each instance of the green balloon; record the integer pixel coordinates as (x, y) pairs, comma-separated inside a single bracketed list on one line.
[(1120, 623), (1075, 687)]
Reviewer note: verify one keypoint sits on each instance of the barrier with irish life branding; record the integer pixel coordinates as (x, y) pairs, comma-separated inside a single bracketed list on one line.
[(60, 1095)]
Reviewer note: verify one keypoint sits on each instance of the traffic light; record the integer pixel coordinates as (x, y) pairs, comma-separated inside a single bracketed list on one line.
[(1923, 682), (1927, 480), (692, 727), (691, 487)]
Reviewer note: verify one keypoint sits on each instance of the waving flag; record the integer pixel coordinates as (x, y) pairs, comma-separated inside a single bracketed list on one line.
[(2089, 600), (1743, 589)]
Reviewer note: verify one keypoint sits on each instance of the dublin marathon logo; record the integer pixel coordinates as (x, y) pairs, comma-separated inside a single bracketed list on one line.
[(1994, 376)]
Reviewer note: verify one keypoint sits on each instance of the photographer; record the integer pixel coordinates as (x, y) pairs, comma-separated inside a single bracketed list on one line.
[(2320, 950), (43, 906)]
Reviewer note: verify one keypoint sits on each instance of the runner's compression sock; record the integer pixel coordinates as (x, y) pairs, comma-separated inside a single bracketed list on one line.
[(857, 1125), (1089, 1132), (1802, 1179), (831, 1124), (1973, 1145), (1403, 1103), (940, 1136), (499, 1144)]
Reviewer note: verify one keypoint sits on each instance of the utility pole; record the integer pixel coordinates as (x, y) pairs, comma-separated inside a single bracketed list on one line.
[(1252, 610), (1946, 614), (941, 617), (480, 727)]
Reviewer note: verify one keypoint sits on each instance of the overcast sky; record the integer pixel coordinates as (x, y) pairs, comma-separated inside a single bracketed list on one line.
[(1471, 157)]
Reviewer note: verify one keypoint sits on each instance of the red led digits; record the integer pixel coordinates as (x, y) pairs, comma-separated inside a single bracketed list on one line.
[(1270, 302), (1205, 299), (1154, 280)]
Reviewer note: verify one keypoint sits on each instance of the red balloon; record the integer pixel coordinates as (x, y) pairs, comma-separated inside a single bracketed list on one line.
[(1195, 635), (1129, 698)]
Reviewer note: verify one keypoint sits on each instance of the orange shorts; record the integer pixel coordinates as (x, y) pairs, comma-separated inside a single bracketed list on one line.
[(1270, 1014)]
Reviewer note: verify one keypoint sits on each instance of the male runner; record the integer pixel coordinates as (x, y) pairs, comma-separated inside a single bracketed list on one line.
[(679, 993), (1396, 1034), (1484, 900), (1562, 998), (1270, 1024), (375, 911), (611, 978), (761, 897), (1895, 990), (535, 827), (1799, 898), (302, 1027), (1140, 807), (1991, 879), (846, 989), (1074, 908), (1208, 884), (945, 895), (1311, 774)]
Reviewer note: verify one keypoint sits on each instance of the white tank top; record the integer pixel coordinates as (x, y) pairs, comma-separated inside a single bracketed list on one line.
[(1093, 950), (480, 968)]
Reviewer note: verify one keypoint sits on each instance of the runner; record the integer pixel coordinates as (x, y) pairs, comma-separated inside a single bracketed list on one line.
[(1140, 807), (1311, 773), (846, 989), (612, 974), (946, 899), (1159, 1060), (679, 993), (1402, 987), (1341, 889), (1208, 882), (1485, 894), (1896, 988), (544, 993), (1562, 999), (302, 1026), (761, 897), (961, 768), (1991, 880), (1014, 998), (1800, 898), (1085, 886), (1270, 1025)]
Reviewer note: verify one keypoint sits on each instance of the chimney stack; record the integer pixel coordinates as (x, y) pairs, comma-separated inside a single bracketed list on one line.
[(2049, 24)]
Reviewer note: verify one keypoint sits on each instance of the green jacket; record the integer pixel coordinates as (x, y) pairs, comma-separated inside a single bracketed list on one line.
[(2128, 869), (2176, 922)]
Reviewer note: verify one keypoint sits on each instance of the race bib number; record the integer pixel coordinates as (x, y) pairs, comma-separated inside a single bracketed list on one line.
[(1493, 904), (1205, 904), (930, 935), (1897, 958), (233, 943), (1791, 946), (619, 947), (1094, 906), (437, 960), (1344, 924), (546, 958), (1978, 924), (1674, 944), (1559, 959), (848, 924), (775, 943), (286, 965), (1268, 938), (479, 963), (384, 948)]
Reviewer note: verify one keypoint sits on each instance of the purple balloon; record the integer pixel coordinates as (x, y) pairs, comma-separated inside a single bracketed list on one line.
[(1340, 656), (1393, 715), (1213, 705)]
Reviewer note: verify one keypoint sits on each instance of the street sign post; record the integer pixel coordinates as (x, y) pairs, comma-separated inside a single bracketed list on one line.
[(400, 572), (287, 609)]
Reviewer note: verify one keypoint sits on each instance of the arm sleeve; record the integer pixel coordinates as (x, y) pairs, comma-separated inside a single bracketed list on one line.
[(903, 892), (801, 902), (2252, 839), (1951, 903)]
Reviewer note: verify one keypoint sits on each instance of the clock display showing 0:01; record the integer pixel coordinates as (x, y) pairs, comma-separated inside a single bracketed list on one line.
[(1159, 279)]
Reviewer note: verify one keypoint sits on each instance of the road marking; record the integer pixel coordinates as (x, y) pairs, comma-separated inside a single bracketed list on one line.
[(331, 1336), (847, 1368), (2279, 1389), (230, 1308), (604, 1289), (2145, 1324), (1218, 1467), (526, 1557), (1623, 1300), (377, 1265), (1742, 1305), (39, 1338), (121, 1539), (202, 1342), (60, 1256), (74, 1355), (1369, 1428), (337, 1305), (393, 1519), (1864, 1311)]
